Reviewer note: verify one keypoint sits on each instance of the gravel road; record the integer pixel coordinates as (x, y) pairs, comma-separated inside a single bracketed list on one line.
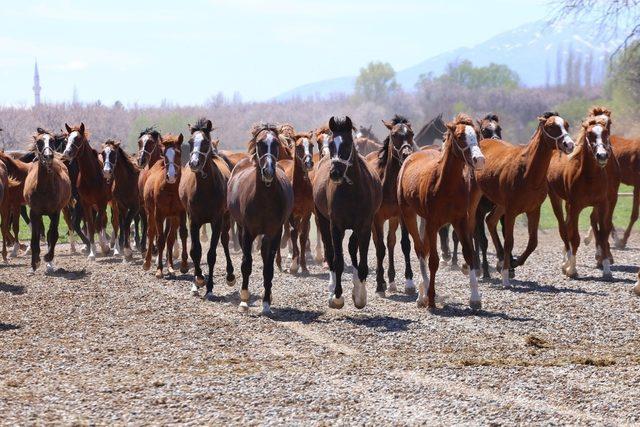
[(105, 342)]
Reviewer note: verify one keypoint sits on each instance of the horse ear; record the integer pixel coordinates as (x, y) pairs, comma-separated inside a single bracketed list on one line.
[(81, 127), (349, 123), (67, 127), (388, 125), (209, 126), (479, 123), (451, 126), (180, 139), (189, 126), (116, 144), (40, 130), (332, 124)]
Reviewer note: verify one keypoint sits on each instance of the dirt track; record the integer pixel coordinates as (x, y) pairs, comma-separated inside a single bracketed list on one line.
[(109, 343)]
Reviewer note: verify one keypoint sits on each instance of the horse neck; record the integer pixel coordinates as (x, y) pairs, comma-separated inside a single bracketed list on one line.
[(391, 171), (538, 155), (45, 175), (16, 169), (354, 170), (87, 162), (586, 160), (300, 177), (154, 156), (451, 166)]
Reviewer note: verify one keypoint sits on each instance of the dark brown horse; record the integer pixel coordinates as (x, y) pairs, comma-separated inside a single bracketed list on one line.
[(162, 202), (514, 179), (438, 186), (260, 200), (93, 189), (347, 193), (11, 203), (203, 193), (297, 171), (47, 190), (397, 146), (580, 179), (121, 174), (432, 130)]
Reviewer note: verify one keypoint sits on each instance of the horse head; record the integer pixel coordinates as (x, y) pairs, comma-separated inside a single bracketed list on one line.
[(595, 131), (555, 129), (304, 150), (148, 143), (341, 148), (171, 154), (464, 137), (267, 145), (490, 127), (401, 143), (44, 144), (109, 156), (323, 135), (200, 144), (76, 138)]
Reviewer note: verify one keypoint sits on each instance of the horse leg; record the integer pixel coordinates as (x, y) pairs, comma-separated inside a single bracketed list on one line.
[(463, 232), (426, 289), (405, 244), (353, 251), (325, 234), (268, 250), (454, 253), (320, 253), (482, 242), (216, 229), (116, 218), (52, 239), (247, 249), (603, 236), (378, 242), (184, 258), (66, 215), (409, 221), (509, 224), (91, 229), (101, 228), (76, 218), (150, 235), (172, 238), (608, 221), (391, 246), (359, 293), (634, 217), (162, 237), (533, 219), (492, 224), (4, 226), (337, 235), (304, 242), (444, 242), (16, 227), (224, 237), (131, 214), (144, 225), (196, 254), (573, 236), (36, 227), (293, 235)]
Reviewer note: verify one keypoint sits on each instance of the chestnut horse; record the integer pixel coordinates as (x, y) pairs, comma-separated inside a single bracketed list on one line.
[(297, 171), (11, 203), (347, 193), (203, 193), (121, 174), (149, 152), (580, 179), (366, 142), (514, 179), (397, 146), (162, 202), (260, 200), (47, 190), (93, 190), (439, 187)]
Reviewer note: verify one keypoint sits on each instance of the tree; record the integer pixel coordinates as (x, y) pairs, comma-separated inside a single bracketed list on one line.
[(491, 76), (623, 82), (376, 82)]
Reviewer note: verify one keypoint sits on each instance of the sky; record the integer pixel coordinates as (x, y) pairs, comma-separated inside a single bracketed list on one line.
[(147, 52)]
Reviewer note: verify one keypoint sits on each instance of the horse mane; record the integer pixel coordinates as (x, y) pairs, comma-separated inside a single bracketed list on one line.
[(201, 125), (151, 130), (599, 110), (323, 129), (170, 140), (259, 127), (460, 119), (582, 134), (492, 117), (549, 114), (341, 124)]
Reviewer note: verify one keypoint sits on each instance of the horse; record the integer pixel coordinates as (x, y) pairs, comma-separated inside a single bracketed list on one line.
[(432, 130), (203, 193), (260, 200), (580, 179), (514, 179), (121, 173), (397, 146), (439, 187), (47, 190), (298, 170), (162, 202), (149, 152), (347, 193), (366, 142), (11, 203)]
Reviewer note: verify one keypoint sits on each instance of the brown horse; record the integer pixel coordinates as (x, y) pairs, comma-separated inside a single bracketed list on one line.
[(162, 202), (203, 192), (366, 142), (121, 174), (514, 179), (438, 187), (149, 152), (47, 190), (260, 199), (347, 193), (581, 180), (387, 162), (13, 200), (93, 190), (297, 171)]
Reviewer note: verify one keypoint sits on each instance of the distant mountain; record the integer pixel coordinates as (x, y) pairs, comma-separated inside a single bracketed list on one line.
[(533, 50)]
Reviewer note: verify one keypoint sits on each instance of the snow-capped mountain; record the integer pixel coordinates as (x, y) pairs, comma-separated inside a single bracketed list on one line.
[(534, 51)]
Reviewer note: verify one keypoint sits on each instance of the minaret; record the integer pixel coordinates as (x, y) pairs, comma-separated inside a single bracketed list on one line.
[(36, 85)]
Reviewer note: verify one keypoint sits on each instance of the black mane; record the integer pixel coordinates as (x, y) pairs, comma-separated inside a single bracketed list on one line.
[(201, 125), (492, 117), (548, 114), (151, 130)]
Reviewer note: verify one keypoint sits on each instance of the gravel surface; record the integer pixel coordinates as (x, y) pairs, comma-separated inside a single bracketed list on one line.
[(105, 342)]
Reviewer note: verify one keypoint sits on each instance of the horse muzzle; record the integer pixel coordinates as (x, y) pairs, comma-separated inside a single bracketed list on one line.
[(194, 165), (142, 160), (308, 163), (107, 174), (268, 173), (602, 159), (567, 145), (336, 173)]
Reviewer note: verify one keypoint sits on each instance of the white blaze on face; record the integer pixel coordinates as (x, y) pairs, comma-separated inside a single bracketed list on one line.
[(170, 154), (71, 140), (600, 150), (269, 142), (46, 148), (325, 145), (305, 145), (198, 138), (107, 159), (471, 139), (566, 139), (337, 141)]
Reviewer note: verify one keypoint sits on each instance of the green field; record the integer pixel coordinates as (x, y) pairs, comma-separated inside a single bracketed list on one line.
[(547, 218)]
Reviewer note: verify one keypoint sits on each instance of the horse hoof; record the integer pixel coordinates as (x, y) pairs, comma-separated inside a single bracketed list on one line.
[(266, 309), (50, 268), (146, 266), (91, 257), (243, 307), (410, 287), (607, 276), (170, 271), (199, 282), (446, 257), (184, 268), (454, 267), (486, 277), (231, 280), (158, 274), (194, 290), (208, 296), (465, 269), (244, 295), (636, 288), (128, 254), (422, 302), (392, 287), (475, 305), (337, 303), (381, 294), (620, 244), (293, 268)]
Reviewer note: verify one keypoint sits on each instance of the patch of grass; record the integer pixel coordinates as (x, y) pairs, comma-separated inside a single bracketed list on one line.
[(537, 342)]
